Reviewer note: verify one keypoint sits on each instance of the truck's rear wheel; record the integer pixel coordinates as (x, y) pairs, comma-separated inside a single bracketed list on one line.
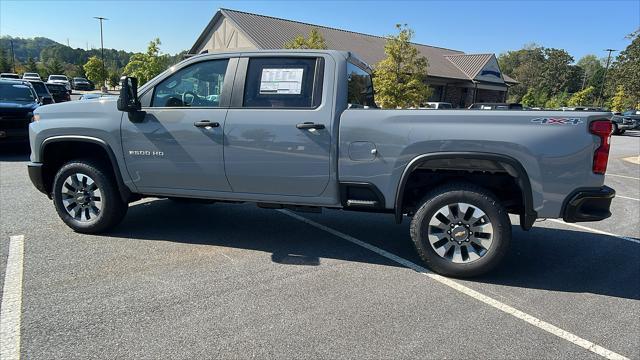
[(86, 197), (461, 230)]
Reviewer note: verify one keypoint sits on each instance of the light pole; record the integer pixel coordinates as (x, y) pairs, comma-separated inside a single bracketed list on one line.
[(604, 78), (101, 46)]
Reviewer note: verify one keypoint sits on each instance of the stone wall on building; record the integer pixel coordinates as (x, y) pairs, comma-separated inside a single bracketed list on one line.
[(490, 96)]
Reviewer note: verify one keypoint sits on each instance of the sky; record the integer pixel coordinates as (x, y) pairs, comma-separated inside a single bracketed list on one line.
[(580, 27)]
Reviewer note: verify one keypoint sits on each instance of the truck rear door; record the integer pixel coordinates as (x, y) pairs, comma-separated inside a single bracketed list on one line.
[(278, 128)]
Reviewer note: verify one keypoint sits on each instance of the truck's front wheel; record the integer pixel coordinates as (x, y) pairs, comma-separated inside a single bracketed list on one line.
[(86, 197), (461, 230)]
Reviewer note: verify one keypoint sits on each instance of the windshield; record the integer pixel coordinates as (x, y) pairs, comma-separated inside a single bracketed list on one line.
[(31, 75), (79, 79), (57, 77), (16, 92)]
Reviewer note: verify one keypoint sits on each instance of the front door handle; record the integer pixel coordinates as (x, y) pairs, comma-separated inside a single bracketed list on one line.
[(310, 125), (206, 124)]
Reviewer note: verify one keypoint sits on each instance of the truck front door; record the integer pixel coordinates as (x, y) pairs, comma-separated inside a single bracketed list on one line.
[(278, 129), (179, 143)]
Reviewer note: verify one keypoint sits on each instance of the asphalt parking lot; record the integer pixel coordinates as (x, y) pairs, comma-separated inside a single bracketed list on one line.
[(236, 281)]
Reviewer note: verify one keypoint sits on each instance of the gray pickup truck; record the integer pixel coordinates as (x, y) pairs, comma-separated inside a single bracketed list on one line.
[(300, 130)]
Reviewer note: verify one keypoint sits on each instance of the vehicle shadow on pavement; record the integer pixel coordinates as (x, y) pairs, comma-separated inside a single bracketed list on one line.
[(542, 258), (570, 261), (289, 241), (14, 152)]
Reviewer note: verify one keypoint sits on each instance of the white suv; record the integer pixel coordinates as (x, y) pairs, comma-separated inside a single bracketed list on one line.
[(31, 76), (60, 79)]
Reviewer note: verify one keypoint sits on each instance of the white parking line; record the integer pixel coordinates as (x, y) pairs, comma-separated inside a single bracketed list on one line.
[(12, 301), (627, 238), (626, 197), (574, 339), (623, 176)]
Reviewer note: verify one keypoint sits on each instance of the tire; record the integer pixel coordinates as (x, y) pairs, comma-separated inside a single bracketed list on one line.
[(621, 132), (101, 207), (484, 249)]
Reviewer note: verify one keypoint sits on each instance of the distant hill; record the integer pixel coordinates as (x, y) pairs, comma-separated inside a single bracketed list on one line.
[(44, 50)]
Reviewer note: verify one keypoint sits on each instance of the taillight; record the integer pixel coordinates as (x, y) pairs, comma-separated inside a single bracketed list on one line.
[(602, 129)]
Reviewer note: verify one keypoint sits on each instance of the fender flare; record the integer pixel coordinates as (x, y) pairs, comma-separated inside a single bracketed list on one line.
[(125, 193), (522, 179)]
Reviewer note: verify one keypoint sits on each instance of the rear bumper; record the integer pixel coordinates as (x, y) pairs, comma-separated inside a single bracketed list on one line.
[(36, 176), (626, 126), (591, 204)]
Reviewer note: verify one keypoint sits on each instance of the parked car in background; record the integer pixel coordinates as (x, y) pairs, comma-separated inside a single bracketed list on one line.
[(9, 76), (31, 76), (582, 108), (44, 96), (633, 115), (622, 122), (18, 100), (79, 83), (60, 79), (437, 105), (93, 96), (59, 92), (496, 106)]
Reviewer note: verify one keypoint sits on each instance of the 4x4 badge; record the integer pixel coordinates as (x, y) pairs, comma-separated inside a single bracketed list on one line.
[(558, 121)]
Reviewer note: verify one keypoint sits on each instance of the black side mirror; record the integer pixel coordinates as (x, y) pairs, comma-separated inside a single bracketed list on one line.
[(128, 100)]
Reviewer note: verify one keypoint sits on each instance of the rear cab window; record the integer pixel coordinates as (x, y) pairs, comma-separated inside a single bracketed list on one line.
[(360, 93), (283, 82)]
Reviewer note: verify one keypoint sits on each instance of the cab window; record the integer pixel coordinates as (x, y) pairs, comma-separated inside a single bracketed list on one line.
[(198, 85), (283, 83), (360, 88)]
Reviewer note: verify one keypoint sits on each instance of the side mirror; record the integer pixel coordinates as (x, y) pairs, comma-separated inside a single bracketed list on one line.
[(128, 100)]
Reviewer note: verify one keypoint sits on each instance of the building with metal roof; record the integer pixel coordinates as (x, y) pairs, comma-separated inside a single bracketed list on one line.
[(456, 77)]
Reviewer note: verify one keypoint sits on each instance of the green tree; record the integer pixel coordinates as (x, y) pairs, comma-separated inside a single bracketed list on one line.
[(54, 67), (525, 65), (114, 79), (95, 71), (148, 65), (621, 101), (315, 41), (557, 101), (535, 97), (5, 64), (31, 65), (592, 71), (583, 97), (626, 69), (556, 72), (399, 79)]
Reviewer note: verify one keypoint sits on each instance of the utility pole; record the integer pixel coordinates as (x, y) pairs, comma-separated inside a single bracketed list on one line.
[(101, 44), (13, 58), (604, 78)]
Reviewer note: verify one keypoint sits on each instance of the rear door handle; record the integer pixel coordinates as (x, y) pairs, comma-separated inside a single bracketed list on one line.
[(310, 125), (206, 123)]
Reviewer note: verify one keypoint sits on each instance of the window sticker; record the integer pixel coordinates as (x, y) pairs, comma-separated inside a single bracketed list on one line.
[(281, 81)]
